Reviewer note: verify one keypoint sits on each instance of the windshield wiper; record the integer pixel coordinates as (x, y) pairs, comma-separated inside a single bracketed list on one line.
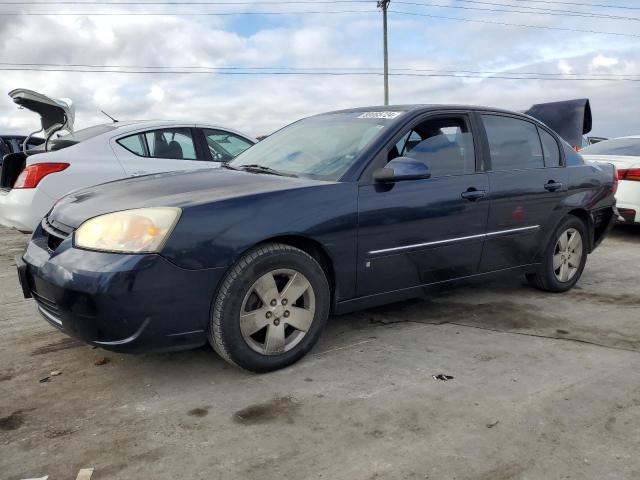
[(254, 167), (227, 166)]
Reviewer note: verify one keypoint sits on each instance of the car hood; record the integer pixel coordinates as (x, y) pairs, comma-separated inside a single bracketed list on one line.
[(54, 114), (171, 189)]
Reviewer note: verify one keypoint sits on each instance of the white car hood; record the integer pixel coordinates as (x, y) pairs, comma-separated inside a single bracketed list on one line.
[(54, 114)]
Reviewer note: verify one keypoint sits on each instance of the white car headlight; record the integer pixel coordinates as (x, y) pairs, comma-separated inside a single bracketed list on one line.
[(142, 230)]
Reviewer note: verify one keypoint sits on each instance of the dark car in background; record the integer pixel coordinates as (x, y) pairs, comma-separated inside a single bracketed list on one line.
[(13, 144), (336, 212)]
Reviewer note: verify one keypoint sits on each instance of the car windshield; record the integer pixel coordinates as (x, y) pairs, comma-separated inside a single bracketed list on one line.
[(64, 141), (617, 146), (321, 147)]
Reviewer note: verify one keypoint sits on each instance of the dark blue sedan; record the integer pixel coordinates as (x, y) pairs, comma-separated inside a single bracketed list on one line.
[(336, 212)]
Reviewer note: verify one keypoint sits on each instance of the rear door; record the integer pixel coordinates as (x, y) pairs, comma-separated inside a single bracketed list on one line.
[(160, 150), (417, 232), (528, 181)]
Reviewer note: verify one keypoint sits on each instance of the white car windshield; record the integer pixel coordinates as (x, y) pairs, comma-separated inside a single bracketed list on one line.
[(321, 147), (617, 146)]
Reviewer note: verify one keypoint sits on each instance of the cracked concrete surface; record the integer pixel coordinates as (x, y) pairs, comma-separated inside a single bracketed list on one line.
[(546, 386)]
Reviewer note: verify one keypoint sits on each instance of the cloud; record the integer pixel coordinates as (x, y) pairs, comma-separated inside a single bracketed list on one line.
[(258, 104)]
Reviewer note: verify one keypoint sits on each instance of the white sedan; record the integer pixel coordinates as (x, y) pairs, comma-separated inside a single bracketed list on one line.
[(31, 182), (624, 153)]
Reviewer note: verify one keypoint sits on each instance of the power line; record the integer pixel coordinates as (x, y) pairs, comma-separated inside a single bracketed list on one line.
[(269, 2), (305, 69), (330, 12), (178, 14), (581, 4), (548, 11), (334, 74), (537, 10), (171, 3), (493, 22)]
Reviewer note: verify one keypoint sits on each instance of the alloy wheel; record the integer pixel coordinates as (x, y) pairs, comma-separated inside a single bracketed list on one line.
[(277, 311), (567, 255)]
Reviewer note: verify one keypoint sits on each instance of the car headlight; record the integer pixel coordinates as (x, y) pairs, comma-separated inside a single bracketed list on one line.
[(142, 230)]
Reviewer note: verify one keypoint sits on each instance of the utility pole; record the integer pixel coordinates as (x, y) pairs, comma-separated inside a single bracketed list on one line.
[(384, 4)]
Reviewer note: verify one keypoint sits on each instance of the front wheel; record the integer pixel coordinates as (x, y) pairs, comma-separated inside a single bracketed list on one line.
[(270, 309), (564, 258)]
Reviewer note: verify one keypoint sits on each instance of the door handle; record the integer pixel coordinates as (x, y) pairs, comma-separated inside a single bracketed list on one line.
[(472, 194), (552, 186)]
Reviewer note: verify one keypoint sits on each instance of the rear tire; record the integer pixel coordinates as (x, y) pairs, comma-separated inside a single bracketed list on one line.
[(563, 259), (270, 309)]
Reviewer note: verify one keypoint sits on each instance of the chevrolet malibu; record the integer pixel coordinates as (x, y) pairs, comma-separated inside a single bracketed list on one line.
[(336, 212)]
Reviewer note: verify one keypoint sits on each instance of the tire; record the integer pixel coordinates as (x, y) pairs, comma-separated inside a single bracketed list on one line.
[(566, 271), (287, 328)]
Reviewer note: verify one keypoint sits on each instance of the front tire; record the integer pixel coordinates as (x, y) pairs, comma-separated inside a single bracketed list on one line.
[(270, 309), (564, 258)]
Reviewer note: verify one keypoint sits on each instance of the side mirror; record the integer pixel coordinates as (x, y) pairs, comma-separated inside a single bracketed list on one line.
[(402, 168)]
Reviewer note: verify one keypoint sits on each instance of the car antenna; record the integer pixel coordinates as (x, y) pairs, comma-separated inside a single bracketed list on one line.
[(114, 120)]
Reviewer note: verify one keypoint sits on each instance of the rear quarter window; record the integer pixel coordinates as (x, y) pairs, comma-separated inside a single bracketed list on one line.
[(550, 149), (133, 143)]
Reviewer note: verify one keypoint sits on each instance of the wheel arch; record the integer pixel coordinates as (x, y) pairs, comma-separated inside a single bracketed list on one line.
[(313, 248), (583, 215)]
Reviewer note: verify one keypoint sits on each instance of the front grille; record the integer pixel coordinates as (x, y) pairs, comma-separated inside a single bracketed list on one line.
[(56, 233)]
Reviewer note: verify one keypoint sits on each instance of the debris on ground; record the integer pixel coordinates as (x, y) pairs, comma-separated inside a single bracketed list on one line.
[(85, 474), (493, 424), (55, 373), (443, 377), (45, 379), (102, 361)]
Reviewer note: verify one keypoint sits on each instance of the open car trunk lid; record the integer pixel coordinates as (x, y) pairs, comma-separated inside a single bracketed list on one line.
[(54, 114), (570, 119)]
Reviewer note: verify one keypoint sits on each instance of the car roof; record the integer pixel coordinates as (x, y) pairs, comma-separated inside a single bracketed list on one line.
[(131, 125), (424, 107)]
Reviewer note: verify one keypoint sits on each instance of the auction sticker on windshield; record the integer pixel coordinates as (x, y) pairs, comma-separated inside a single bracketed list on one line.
[(380, 115)]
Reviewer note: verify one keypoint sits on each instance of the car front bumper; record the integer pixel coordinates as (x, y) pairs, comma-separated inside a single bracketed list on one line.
[(120, 302)]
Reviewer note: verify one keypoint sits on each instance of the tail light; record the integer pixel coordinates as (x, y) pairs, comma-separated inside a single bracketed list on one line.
[(30, 177), (616, 180), (631, 174)]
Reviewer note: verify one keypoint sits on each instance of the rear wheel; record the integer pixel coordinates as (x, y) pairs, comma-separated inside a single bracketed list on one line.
[(270, 309), (564, 258)]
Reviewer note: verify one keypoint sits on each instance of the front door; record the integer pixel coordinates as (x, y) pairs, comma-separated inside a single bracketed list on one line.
[(527, 183), (417, 232)]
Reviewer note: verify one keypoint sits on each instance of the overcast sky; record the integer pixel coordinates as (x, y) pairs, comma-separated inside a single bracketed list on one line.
[(258, 104)]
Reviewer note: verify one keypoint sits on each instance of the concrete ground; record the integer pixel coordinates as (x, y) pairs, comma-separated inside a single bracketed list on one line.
[(544, 387)]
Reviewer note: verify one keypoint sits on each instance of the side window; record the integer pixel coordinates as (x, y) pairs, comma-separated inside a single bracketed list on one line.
[(133, 143), (224, 146), (445, 145), (550, 149), (172, 143), (514, 144)]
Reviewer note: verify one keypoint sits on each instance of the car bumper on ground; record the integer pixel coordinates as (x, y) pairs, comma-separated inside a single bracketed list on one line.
[(23, 209), (120, 302)]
